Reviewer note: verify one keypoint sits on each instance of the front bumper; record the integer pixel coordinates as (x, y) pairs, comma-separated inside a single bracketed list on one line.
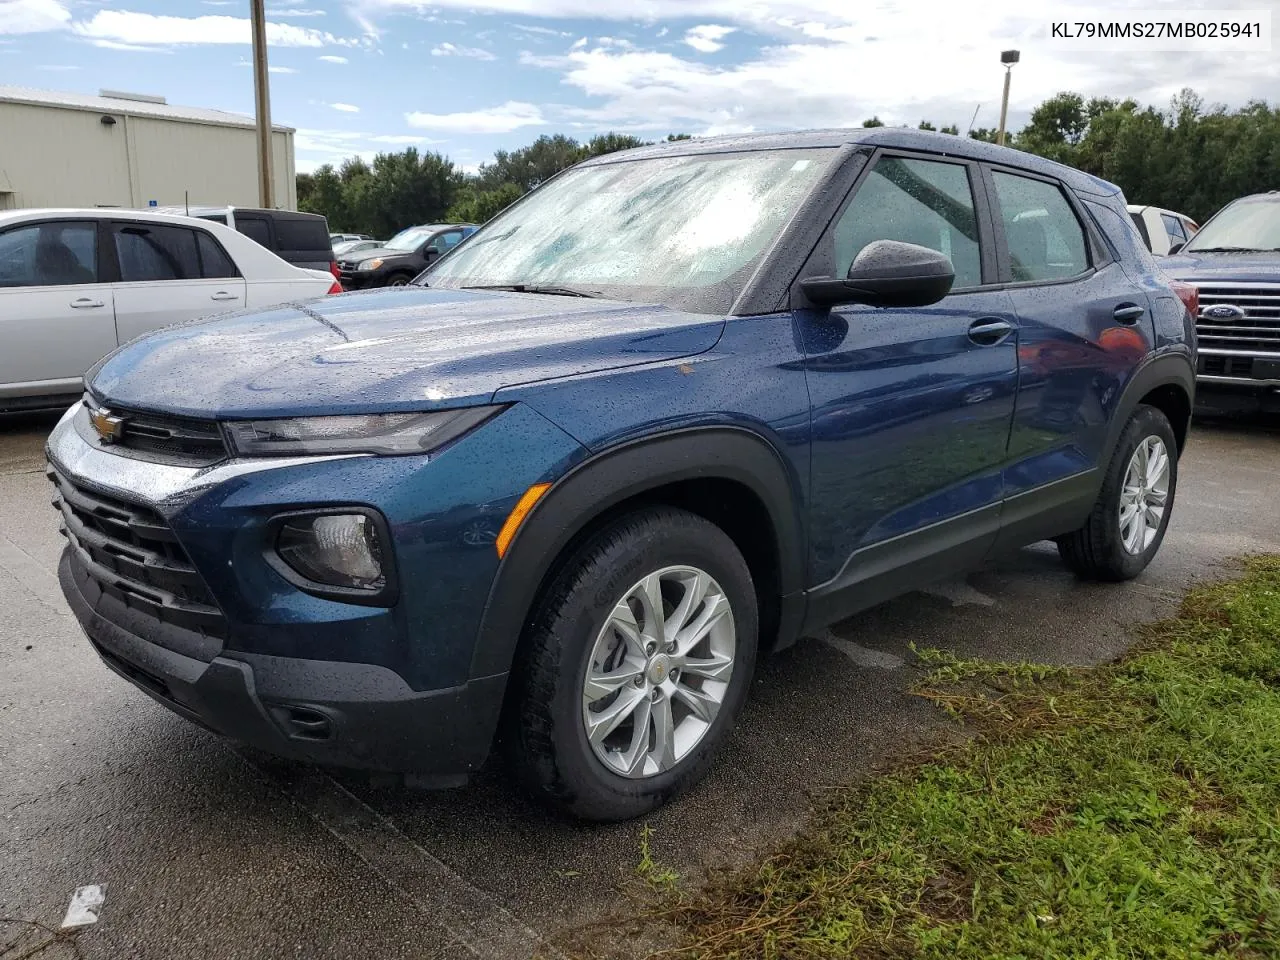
[(342, 714)]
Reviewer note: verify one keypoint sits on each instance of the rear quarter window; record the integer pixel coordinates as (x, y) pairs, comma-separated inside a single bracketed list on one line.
[(303, 235)]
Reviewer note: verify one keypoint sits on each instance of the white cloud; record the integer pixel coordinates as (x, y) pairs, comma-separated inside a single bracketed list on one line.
[(58, 67), (128, 47), (345, 107), (706, 38), (295, 12), (330, 58), (143, 29), (315, 146), (402, 141), (270, 69), (32, 16), (615, 43), (579, 43), (511, 115), (453, 50), (663, 32), (837, 63)]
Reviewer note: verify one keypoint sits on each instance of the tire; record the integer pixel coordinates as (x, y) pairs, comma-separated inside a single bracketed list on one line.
[(574, 631), (399, 280), (1104, 548)]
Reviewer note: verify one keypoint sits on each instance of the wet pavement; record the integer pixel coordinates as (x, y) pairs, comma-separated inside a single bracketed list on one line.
[(209, 850)]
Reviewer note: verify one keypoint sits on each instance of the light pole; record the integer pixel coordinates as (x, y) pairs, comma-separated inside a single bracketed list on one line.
[(1008, 58), (262, 100)]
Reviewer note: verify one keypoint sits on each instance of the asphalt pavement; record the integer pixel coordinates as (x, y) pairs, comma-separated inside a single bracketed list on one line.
[(207, 849)]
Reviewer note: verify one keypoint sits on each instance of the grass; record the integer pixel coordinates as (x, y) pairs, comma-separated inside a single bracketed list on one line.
[(1130, 810)]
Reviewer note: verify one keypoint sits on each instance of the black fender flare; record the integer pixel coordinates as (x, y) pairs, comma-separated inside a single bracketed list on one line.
[(1169, 369), (617, 474)]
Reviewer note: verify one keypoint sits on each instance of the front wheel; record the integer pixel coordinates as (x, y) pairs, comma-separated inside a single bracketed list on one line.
[(399, 280), (637, 663), (1130, 517)]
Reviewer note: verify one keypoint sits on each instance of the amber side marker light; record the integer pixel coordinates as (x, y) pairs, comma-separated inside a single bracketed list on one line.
[(517, 515)]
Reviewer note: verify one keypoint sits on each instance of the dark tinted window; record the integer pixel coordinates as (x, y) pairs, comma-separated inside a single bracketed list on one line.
[(155, 252), (1140, 222), (1173, 226), (49, 254), (216, 218), (256, 229), (914, 201), (1046, 241), (303, 235), (214, 262)]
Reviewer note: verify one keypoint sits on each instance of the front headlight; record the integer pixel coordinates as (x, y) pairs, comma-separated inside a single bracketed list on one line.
[(373, 264), (387, 434)]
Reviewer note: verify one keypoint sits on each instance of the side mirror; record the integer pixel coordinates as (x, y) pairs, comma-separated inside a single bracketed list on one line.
[(1175, 247), (887, 273)]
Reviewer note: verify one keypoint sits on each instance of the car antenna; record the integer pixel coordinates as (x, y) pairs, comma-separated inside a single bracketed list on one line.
[(186, 201), (973, 119)]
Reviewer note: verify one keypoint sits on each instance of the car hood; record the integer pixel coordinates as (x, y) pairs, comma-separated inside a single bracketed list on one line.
[(386, 253), (1223, 267), (407, 348)]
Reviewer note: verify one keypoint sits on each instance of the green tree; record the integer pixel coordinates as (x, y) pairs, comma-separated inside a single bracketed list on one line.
[(873, 122), (480, 206), (926, 125)]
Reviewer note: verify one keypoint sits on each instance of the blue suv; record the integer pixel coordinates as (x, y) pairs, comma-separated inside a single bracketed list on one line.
[(678, 407)]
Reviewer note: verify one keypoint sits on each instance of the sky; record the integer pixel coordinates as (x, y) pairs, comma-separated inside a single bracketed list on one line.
[(467, 77)]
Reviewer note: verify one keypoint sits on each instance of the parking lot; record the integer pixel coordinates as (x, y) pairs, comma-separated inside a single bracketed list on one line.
[(206, 849)]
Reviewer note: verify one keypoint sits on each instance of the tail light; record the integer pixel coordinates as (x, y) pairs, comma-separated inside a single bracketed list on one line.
[(333, 268), (1189, 295), (336, 288)]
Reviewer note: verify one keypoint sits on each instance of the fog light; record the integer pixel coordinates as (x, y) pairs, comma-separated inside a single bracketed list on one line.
[(338, 549)]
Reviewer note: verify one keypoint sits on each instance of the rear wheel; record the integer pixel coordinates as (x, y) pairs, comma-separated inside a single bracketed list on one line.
[(1128, 522), (638, 662)]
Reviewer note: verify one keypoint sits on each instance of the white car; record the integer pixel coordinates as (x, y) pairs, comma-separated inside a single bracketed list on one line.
[(75, 284), (1162, 229)]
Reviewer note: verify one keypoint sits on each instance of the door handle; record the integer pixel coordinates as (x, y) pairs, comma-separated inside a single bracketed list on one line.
[(1128, 313), (989, 331), (223, 295), (84, 303)]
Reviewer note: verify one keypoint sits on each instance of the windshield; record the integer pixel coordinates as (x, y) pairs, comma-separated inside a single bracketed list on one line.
[(683, 231), (410, 239), (1245, 225)]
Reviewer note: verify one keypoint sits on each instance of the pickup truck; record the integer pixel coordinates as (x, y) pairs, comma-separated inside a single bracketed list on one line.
[(1234, 263)]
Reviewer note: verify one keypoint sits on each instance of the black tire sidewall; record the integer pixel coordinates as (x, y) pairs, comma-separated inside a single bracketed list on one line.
[(613, 564), (1145, 422)]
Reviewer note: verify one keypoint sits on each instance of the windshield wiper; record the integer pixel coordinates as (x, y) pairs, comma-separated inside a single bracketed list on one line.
[(1234, 250), (535, 288)]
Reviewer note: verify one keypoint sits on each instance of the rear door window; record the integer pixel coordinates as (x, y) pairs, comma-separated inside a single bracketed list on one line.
[(55, 254), (148, 252), (1044, 237)]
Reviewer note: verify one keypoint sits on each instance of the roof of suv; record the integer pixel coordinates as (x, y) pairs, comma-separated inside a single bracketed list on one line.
[(902, 137)]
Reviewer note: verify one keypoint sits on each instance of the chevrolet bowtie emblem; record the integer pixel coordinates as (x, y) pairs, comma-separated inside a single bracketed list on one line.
[(108, 426)]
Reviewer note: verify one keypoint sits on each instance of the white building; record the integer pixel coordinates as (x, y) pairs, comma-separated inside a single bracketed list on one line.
[(128, 150)]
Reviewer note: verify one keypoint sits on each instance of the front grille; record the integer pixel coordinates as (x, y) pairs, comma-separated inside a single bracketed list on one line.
[(1256, 332), (132, 554), (183, 441)]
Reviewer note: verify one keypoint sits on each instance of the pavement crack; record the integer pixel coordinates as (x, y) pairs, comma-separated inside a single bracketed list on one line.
[(472, 917)]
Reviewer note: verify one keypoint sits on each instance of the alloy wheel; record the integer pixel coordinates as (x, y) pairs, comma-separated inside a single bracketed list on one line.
[(659, 672), (1144, 496)]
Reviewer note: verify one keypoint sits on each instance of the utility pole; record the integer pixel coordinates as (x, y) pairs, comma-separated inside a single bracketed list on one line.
[(1008, 58), (262, 100)]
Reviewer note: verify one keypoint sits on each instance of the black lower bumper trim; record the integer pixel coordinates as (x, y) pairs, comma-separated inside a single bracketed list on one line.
[(355, 715)]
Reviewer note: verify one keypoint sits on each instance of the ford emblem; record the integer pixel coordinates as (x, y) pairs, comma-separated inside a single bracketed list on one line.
[(1222, 312)]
